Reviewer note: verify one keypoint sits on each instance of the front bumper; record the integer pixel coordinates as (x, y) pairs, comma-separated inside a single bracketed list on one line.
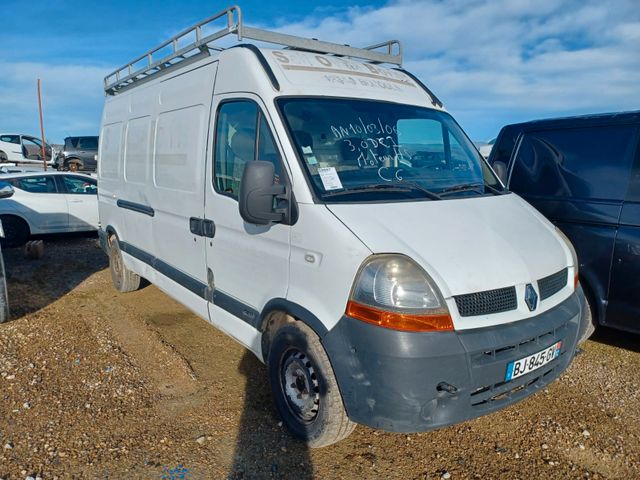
[(398, 381)]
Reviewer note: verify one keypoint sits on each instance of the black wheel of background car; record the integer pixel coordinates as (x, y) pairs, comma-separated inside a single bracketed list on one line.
[(3, 157), (304, 387), (4, 298), (589, 317), (16, 231), (124, 280), (75, 165)]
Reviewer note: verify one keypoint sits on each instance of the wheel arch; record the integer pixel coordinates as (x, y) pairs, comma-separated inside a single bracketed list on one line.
[(598, 308), (21, 217), (279, 311)]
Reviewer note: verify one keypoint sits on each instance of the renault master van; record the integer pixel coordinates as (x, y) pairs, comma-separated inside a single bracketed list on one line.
[(583, 174), (318, 204)]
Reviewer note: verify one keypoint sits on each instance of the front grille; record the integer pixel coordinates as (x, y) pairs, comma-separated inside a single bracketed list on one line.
[(552, 284), (488, 302)]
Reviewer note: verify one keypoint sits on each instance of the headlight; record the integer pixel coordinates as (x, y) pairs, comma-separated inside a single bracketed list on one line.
[(574, 256), (392, 291)]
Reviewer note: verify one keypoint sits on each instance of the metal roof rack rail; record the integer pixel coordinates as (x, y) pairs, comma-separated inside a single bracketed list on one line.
[(146, 65)]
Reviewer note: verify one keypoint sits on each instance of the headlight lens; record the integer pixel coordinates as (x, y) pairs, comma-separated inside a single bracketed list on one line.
[(393, 292)]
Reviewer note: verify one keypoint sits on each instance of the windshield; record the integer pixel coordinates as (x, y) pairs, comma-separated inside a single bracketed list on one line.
[(355, 150)]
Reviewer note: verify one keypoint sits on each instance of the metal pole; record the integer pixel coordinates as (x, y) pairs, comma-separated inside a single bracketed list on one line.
[(44, 152)]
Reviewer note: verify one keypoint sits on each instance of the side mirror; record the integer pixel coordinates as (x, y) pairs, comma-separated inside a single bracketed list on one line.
[(257, 194), (501, 171), (6, 190)]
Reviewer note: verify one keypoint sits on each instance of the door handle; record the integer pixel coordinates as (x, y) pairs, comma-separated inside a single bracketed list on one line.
[(202, 227), (209, 228)]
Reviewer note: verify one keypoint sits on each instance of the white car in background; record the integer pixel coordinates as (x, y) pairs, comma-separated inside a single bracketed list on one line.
[(48, 202), (485, 150), (15, 147)]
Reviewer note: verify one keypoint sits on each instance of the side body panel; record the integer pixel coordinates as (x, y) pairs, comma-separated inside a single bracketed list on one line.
[(574, 177), (249, 264), (623, 310), (44, 212), (151, 174)]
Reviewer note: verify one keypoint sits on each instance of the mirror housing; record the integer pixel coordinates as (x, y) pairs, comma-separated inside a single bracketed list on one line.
[(6, 190), (501, 171), (257, 193)]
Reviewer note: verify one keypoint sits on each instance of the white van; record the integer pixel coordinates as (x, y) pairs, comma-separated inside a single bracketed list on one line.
[(326, 212)]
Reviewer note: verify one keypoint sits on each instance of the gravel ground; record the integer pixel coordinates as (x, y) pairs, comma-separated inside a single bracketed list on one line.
[(95, 384)]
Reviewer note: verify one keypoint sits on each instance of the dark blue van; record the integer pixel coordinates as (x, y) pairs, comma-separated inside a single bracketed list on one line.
[(583, 174)]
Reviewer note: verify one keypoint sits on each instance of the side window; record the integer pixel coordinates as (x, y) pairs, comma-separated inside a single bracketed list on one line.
[(79, 185), (591, 162), (43, 184), (10, 139), (31, 148), (88, 143), (242, 135)]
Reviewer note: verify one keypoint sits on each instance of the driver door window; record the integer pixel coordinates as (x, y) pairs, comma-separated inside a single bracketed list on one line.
[(242, 135)]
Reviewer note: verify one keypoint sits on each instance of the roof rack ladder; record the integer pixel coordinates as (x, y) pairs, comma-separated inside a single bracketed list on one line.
[(128, 74)]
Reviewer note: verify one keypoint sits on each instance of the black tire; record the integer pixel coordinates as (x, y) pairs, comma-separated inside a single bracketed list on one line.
[(16, 231), (4, 298), (304, 387), (3, 157), (124, 280), (589, 318)]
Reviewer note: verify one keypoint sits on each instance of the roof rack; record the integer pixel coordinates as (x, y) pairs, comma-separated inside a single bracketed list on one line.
[(146, 65)]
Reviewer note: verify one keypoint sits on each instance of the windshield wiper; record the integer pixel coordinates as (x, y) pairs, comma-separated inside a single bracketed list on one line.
[(389, 187), (471, 187)]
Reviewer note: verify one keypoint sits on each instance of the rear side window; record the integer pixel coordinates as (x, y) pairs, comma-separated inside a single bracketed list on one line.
[(43, 184), (10, 139), (242, 135), (88, 143), (591, 162)]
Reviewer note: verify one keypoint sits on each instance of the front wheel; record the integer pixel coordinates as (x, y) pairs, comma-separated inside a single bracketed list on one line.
[(304, 387), (588, 318), (4, 297)]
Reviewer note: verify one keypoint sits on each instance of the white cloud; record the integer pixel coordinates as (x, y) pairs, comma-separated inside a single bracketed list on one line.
[(491, 62), (501, 61), (71, 98)]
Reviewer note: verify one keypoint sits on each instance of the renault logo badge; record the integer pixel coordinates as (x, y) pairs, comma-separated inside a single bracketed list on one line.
[(530, 297)]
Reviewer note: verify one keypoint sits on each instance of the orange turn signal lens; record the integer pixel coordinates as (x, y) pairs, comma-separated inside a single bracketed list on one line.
[(400, 321), (576, 281)]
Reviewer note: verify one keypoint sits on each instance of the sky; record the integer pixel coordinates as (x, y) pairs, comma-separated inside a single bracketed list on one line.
[(491, 62)]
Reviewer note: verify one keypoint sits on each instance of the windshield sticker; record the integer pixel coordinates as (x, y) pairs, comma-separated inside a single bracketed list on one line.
[(309, 156), (330, 178)]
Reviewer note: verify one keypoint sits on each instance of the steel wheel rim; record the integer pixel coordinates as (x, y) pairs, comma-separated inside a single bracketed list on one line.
[(299, 384)]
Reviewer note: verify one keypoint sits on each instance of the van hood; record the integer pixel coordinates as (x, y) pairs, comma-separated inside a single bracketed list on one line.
[(466, 244)]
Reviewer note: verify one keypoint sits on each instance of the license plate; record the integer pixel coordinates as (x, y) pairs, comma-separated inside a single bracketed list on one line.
[(528, 364)]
